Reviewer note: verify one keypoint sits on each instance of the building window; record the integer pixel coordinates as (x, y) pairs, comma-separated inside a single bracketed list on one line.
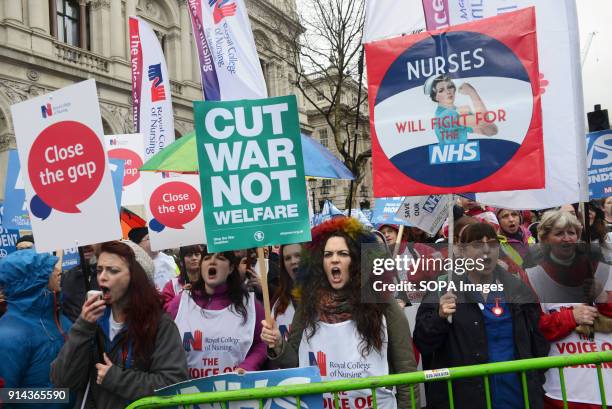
[(68, 30), (325, 186), (320, 96), (67, 22), (161, 37), (323, 137)]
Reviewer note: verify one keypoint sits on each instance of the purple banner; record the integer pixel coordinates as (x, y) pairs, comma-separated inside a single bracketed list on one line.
[(436, 14), (208, 73), (136, 57)]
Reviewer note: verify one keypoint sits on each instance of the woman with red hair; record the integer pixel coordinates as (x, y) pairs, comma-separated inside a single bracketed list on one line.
[(122, 347)]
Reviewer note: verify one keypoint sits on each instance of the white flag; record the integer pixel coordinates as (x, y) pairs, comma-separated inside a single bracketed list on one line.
[(151, 91), (562, 99), (229, 64)]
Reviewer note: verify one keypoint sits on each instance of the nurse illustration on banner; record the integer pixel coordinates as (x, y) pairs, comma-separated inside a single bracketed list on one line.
[(452, 124), (335, 329), (218, 320)]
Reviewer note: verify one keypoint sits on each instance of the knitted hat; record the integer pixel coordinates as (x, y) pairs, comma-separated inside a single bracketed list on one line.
[(142, 258), (137, 234)]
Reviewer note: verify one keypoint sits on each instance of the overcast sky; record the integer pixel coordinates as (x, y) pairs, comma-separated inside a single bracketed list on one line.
[(596, 16)]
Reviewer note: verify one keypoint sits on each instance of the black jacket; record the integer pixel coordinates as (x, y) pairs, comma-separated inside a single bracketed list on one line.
[(74, 291), (464, 342)]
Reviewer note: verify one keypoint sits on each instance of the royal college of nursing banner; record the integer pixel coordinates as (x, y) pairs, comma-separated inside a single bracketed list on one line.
[(457, 110), (151, 92), (229, 65)]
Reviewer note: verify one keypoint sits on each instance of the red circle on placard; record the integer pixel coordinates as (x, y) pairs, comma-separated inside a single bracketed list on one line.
[(133, 162), (66, 164), (175, 204)]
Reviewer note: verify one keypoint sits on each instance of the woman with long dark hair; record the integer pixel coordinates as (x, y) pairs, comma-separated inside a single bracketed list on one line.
[(333, 324), (284, 300), (221, 314), (122, 347), (190, 258)]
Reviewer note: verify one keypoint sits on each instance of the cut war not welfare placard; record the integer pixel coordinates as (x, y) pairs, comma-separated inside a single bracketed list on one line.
[(251, 173)]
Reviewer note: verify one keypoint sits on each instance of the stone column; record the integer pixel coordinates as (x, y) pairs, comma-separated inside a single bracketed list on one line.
[(185, 43), (38, 15), (82, 24), (117, 38), (100, 27), (13, 10)]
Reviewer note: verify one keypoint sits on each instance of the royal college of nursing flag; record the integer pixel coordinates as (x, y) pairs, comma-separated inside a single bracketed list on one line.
[(151, 92), (229, 65), (561, 85)]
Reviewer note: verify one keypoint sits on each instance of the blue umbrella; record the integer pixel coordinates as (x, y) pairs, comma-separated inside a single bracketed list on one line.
[(319, 162)]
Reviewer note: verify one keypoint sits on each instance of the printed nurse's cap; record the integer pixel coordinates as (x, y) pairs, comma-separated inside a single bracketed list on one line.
[(429, 84)]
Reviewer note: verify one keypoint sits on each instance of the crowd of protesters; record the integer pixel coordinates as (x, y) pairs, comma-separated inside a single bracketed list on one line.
[(142, 327)]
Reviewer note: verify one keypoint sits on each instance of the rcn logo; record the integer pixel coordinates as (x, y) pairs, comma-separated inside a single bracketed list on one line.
[(192, 341), (158, 92), (113, 142), (222, 9), (46, 110), (454, 153), (320, 360)]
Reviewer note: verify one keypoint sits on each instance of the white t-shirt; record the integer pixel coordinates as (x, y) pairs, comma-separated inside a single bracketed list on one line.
[(114, 327), (165, 270)]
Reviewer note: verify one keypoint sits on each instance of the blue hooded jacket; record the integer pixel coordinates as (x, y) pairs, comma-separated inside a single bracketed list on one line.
[(29, 337)]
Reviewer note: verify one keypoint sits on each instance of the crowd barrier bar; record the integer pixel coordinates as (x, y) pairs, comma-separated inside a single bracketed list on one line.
[(413, 379)]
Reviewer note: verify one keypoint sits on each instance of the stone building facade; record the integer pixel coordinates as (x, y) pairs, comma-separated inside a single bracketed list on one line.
[(337, 190), (49, 44)]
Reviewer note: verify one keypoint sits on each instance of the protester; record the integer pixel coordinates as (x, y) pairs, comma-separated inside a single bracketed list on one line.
[(568, 281), (165, 266), (598, 231), (607, 207), (25, 242), (32, 331), (75, 284), (123, 346), (486, 327), (390, 232), (190, 258), (334, 320), (284, 300), (513, 237), (220, 308)]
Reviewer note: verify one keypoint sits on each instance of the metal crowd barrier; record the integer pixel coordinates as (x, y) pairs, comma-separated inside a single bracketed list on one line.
[(413, 379)]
